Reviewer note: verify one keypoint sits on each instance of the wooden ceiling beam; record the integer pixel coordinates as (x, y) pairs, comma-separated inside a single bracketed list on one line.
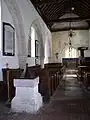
[(54, 14), (51, 11), (48, 8), (43, 17), (67, 29), (68, 20), (82, 8), (48, 2)]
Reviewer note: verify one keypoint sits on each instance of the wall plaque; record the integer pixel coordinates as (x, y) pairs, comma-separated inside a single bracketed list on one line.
[(8, 39)]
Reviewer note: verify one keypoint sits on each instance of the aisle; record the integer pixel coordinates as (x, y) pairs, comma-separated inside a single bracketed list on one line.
[(69, 102), (69, 88)]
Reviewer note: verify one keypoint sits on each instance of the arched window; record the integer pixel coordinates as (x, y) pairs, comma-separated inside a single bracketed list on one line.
[(72, 53), (32, 42)]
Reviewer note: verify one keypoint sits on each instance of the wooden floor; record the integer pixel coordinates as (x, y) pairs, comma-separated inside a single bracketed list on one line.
[(69, 102)]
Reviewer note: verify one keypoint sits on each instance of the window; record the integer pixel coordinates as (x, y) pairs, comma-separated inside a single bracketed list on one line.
[(70, 54), (32, 42)]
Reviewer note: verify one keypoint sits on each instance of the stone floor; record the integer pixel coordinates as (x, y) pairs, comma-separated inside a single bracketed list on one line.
[(69, 102)]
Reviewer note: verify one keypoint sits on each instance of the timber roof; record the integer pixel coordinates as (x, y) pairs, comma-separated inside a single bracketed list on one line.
[(53, 13)]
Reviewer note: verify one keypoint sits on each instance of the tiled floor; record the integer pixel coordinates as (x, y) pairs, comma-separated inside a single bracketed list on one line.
[(69, 102)]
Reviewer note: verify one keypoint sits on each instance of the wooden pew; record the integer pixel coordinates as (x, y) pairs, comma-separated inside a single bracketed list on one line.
[(48, 82), (84, 75), (49, 76), (80, 72), (8, 76), (53, 73), (1, 90), (86, 79), (59, 66)]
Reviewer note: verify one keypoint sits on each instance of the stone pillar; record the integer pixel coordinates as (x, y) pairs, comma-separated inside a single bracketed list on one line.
[(27, 98)]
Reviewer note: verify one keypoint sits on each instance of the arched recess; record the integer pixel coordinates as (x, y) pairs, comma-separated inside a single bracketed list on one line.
[(36, 24), (14, 10)]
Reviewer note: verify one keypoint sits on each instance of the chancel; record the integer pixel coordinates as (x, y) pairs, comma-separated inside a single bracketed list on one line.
[(44, 59)]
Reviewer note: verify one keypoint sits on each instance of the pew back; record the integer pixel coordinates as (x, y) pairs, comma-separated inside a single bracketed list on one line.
[(49, 77), (8, 76)]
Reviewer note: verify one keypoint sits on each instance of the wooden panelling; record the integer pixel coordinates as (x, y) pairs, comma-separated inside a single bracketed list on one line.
[(9, 74), (83, 73)]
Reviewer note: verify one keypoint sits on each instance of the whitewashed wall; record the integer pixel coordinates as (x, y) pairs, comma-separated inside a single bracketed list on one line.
[(80, 38), (12, 61), (6, 17), (29, 12), (22, 14)]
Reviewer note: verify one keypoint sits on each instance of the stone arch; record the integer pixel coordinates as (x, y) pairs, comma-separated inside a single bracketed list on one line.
[(37, 26), (14, 10), (39, 31)]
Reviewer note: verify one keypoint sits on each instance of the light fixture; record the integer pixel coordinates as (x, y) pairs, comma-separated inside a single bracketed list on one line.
[(72, 8), (71, 33)]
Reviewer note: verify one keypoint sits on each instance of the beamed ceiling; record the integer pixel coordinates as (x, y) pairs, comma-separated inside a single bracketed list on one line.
[(53, 13)]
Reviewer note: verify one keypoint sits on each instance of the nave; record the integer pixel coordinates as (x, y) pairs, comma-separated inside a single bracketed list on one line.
[(69, 102)]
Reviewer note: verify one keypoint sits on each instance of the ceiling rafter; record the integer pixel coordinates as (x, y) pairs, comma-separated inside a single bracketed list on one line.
[(47, 9), (52, 10), (48, 2), (86, 3), (43, 8), (58, 12), (58, 6), (81, 13), (58, 9), (67, 29), (74, 19), (54, 15), (81, 5)]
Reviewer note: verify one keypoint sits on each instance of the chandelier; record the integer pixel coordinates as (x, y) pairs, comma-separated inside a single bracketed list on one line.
[(70, 33)]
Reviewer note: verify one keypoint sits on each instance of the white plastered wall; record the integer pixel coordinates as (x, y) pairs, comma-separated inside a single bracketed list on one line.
[(29, 12), (80, 38), (12, 61), (21, 14), (87, 52)]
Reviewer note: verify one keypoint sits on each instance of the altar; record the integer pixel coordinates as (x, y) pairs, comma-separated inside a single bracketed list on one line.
[(70, 62)]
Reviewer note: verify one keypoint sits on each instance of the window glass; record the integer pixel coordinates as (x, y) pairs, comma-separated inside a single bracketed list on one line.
[(32, 42), (72, 53)]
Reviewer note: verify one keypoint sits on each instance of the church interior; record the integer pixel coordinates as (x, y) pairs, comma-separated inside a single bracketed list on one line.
[(44, 59)]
